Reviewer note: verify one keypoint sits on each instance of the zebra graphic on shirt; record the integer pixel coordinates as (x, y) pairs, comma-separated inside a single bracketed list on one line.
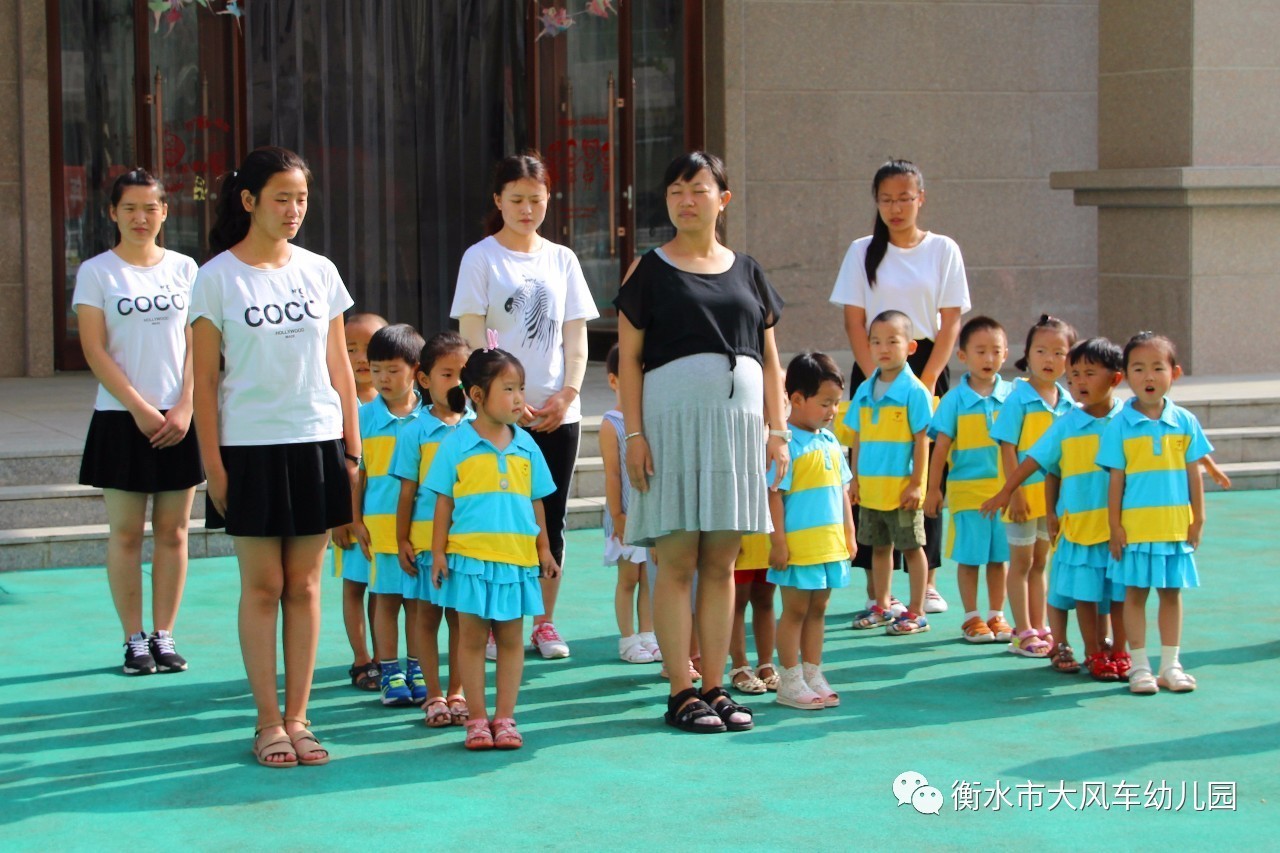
[(532, 305)]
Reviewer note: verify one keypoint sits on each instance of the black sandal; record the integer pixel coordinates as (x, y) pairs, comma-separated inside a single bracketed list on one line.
[(727, 708), (686, 718), (366, 676)]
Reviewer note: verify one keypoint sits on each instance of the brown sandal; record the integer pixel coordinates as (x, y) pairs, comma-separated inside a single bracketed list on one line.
[(275, 745), (303, 735), (1063, 659)]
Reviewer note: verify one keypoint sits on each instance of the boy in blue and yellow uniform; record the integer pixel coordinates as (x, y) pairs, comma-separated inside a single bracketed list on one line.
[(961, 430), (889, 416), (813, 534), (393, 362)]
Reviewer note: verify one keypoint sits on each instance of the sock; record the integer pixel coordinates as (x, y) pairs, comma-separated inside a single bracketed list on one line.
[(413, 663), (389, 666), (1168, 657), (991, 614), (1140, 660), (871, 602), (141, 635), (970, 614)]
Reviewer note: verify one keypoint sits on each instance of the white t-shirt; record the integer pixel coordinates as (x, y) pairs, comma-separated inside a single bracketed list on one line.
[(275, 333), (526, 297), (146, 315), (918, 281)]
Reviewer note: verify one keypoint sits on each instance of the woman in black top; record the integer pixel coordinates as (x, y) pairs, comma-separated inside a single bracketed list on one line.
[(700, 377)]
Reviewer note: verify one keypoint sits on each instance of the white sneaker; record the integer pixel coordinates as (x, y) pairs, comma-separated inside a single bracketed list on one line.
[(650, 641), (546, 639), (491, 648), (631, 649), (794, 692), (933, 602)]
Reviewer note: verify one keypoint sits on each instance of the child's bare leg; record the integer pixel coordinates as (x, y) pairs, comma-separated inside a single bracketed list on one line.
[(509, 635), (1020, 557), (353, 620), (1135, 618), (1119, 634), (1058, 624), (815, 624), (996, 582), (473, 632), (795, 607), (1087, 616), (455, 634), (763, 622), (386, 614), (624, 596), (644, 601), (871, 585), (428, 630), (738, 638), (371, 611), (967, 581), (411, 627), (918, 572), (1036, 591), (881, 575), (1169, 617)]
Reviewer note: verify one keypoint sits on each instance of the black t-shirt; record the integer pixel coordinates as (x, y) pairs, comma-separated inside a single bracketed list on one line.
[(684, 313)]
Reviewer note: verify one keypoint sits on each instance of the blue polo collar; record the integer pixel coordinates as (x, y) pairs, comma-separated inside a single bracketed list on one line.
[(1026, 391), (435, 425), (970, 397), (468, 438), (898, 391), (383, 416), (1083, 419), (1133, 416)]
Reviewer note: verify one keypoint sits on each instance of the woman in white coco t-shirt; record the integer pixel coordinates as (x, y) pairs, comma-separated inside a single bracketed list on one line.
[(131, 303), (278, 432), (533, 294)]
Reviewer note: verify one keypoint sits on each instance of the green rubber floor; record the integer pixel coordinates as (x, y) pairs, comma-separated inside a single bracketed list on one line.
[(1019, 755)]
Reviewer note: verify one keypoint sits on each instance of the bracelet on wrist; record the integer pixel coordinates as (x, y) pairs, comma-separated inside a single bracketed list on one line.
[(632, 435)]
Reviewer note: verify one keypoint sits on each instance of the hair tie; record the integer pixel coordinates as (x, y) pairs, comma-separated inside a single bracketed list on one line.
[(491, 337)]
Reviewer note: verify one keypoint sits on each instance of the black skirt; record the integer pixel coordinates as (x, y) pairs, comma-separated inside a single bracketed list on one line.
[(118, 456), (284, 490)]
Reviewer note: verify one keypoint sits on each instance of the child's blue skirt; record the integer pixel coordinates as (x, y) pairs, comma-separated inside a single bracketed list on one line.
[(426, 590), (1079, 573), (820, 576), (498, 591), (1160, 565), (387, 578), (350, 564)]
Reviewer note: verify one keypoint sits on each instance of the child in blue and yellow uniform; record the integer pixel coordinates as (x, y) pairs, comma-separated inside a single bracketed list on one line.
[(489, 539), (1077, 519), (888, 418), (1028, 412), (350, 562), (439, 373), (813, 535), (393, 362), (961, 431), (1155, 507)]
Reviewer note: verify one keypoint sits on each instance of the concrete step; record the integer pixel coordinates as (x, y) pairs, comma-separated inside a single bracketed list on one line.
[(584, 513), (61, 505), (1245, 444), (31, 468), (86, 545)]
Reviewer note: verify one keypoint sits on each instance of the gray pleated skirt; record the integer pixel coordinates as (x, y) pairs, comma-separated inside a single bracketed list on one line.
[(708, 450)]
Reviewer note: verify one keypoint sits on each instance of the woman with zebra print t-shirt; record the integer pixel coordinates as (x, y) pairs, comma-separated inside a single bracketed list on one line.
[(533, 294)]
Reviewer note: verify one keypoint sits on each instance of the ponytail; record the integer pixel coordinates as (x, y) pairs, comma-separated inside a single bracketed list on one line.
[(879, 244), (231, 220)]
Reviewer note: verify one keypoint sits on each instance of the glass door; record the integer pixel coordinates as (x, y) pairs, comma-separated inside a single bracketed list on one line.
[(167, 100), (609, 113)]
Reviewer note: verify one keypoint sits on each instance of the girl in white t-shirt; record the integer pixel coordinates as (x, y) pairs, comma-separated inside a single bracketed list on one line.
[(903, 268), (533, 293), (132, 308), (279, 434)]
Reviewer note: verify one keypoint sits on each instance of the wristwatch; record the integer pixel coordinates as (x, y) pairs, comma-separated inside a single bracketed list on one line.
[(784, 434)]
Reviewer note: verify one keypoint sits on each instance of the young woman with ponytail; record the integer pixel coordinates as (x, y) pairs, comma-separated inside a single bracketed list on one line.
[(903, 268), (533, 293), (279, 434)]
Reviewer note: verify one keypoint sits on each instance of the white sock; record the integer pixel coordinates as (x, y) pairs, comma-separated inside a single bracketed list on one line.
[(1168, 657), (970, 614), (1140, 659), (871, 602), (991, 614)]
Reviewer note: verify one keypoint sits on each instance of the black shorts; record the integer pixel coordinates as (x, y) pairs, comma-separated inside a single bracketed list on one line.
[(118, 456), (284, 489)]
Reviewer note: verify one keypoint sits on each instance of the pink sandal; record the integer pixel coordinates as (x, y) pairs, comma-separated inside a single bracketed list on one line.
[(505, 735), (1029, 644), (479, 737)]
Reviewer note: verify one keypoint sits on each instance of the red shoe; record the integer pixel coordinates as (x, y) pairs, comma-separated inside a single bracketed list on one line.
[(1100, 668), (1121, 663)]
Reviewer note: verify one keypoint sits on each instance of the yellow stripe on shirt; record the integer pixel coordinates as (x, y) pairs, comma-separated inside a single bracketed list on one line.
[(891, 425), (517, 549), (377, 452), (1140, 458), (479, 475), (1156, 523)]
